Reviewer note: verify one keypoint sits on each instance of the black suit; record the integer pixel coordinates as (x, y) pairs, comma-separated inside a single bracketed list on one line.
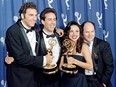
[(103, 61), (45, 80), (20, 72)]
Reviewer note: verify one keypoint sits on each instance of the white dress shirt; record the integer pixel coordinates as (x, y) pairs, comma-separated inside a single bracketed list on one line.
[(55, 50), (32, 38)]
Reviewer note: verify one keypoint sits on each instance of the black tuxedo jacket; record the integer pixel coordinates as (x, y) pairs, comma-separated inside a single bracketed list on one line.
[(102, 55), (41, 77), (20, 72)]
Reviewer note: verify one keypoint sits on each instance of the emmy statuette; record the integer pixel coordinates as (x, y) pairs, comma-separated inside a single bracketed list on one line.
[(68, 68), (48, 68)]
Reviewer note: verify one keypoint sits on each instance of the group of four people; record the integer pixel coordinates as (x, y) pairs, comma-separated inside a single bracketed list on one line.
[(28, 52)]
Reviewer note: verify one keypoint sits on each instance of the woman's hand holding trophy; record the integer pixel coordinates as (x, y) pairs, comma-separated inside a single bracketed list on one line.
[(68, 67)]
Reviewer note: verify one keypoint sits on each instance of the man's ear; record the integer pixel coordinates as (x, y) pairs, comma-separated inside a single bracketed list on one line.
[(42, 22), (22, 16)]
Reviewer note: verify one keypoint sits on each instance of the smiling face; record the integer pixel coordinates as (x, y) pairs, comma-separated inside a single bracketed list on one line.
[(74, 33), (49, 22), (88, 32), (29, 18)]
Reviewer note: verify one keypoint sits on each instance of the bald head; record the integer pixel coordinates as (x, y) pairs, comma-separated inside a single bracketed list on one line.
[(88, 31)]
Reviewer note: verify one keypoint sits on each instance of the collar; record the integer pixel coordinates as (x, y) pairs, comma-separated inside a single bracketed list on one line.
[(26, 29), (47, 35)]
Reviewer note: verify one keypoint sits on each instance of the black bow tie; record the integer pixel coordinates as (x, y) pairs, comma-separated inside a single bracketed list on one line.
[(52, 35), (29, 30), (47, 36)]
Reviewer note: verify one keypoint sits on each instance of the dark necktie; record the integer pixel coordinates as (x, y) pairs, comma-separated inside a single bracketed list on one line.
[(88, 43), (47, 36)]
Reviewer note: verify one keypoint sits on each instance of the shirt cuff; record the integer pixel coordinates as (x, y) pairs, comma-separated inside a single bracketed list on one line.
[(44, 61)]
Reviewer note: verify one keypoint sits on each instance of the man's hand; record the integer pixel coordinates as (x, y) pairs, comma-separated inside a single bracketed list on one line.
[(9, 60), (49, 58), (60, 32)]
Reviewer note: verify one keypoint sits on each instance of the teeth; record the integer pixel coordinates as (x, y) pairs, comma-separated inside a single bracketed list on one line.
[(74, 37)]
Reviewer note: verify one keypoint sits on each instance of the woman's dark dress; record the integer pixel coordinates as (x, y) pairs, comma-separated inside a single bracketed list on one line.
[(74, 80)]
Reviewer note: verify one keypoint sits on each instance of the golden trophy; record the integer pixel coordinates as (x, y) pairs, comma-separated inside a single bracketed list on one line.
[(68, 68), (50, 68)]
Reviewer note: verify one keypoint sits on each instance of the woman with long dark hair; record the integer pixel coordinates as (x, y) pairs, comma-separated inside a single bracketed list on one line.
[(77, 54)]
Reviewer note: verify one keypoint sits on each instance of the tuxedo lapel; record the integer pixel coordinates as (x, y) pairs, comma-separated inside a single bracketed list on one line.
[(37, 42), (25, 37), (95, 53), (42, 46), (59, 42), (95, 49)]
